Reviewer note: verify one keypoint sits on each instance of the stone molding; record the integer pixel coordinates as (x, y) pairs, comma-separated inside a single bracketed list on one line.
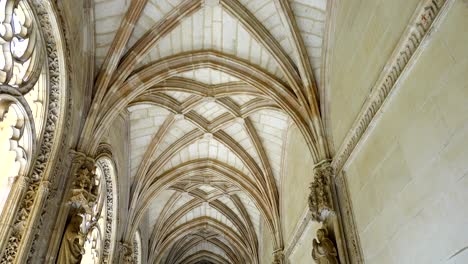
[(107, 242), (350, 232), (425, 16), (299, 232)]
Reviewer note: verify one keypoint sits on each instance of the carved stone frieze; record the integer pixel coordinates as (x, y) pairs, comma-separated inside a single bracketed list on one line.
[(320, 200)]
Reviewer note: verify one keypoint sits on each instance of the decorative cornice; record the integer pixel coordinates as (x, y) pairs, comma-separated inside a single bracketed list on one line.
[(425, 19)]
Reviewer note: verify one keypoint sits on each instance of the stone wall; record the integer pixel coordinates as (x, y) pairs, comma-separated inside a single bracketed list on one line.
[(408, 179), (77, 30), (297, 175), (302, 254), (365, 36)]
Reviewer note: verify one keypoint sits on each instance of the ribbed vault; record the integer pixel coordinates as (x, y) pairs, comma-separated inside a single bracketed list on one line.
[(211, 88)]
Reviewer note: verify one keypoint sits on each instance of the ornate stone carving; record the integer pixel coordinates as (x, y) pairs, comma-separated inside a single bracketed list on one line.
[(278, 257), (320, 200), (127, 253), (424, 17), (109, 213), (54, 114), (85, 188), (136, 249), (324, 251)]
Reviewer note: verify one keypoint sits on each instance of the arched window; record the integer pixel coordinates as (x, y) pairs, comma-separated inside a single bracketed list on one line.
[(99, 246), (23, 92)]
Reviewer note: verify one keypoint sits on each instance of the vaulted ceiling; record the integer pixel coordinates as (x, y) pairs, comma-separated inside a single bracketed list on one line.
[(212, 87)]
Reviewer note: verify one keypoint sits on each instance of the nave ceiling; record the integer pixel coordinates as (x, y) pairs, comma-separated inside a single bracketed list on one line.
[(211, 88)]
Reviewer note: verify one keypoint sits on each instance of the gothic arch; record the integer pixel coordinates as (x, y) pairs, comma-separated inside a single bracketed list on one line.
[(34, 100)]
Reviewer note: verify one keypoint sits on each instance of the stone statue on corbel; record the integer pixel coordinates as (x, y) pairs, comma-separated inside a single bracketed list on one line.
[(320, 200), (321, 207), (83, 199)]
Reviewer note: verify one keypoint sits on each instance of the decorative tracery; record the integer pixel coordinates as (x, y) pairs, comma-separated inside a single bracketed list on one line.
[(23, 93), (99, 223)]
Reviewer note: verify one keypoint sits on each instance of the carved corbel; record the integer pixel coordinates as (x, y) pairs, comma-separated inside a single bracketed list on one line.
[(278, 257), (84, 190), (320, 199), (127, 252)]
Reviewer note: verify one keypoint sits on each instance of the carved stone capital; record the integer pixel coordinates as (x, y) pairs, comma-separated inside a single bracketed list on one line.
[(84, 191), (320, 199), (278, 257), (127, 252)]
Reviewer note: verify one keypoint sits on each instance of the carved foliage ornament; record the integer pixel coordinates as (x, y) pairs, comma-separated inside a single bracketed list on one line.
[(278, 257), (320, 201), (85, 190), (127, 252)]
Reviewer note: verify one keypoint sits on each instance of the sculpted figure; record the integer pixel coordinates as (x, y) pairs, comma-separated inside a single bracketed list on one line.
[(71, 249), (324, 251)]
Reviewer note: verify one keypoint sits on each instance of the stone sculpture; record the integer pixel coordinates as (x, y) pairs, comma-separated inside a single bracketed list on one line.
[(324, 251), (71, 249)]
